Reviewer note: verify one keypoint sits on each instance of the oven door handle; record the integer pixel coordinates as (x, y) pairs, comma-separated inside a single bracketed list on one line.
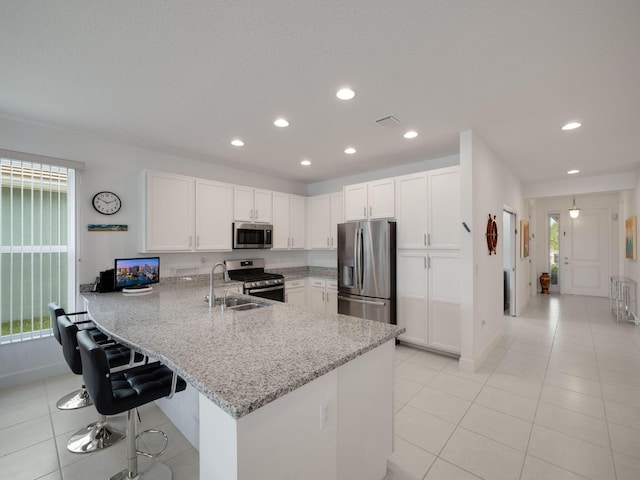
[(268, 289)]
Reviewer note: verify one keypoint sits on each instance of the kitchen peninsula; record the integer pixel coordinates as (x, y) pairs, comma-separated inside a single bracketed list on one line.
[(284, 392)]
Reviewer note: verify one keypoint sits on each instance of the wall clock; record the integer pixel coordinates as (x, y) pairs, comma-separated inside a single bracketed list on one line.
[(492, 234), (106, 203)]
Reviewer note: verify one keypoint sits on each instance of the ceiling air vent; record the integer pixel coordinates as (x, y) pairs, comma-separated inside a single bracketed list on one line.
[(388, 121)]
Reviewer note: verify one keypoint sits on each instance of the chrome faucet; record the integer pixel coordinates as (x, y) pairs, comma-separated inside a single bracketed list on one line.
[(211, 289)]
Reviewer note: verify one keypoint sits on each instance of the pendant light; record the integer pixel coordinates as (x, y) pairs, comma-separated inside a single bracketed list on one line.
[(574, 212)]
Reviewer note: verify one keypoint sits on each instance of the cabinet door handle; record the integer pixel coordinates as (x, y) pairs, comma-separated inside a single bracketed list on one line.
[(332, 241), (327, 241), (425, 262), (251, 214), (364, 210), (370, 211), (429, 239), (425, 239), (323, 296), (257, 214), (197, 241)]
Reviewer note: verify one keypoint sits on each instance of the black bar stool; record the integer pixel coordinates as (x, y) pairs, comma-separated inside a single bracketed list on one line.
[(78, 398), (99, 434), (126, 390)]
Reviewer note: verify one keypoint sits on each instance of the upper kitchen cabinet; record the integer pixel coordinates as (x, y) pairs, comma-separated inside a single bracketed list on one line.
[(325, 213), (252, 205), (213, 215), (370, 201), (288, 221), (428, 209), (167, 212), (184, 214)]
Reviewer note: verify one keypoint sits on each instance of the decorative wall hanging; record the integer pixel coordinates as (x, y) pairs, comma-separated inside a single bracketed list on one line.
[(524, 239), (492, 234), (101, 227), (631, 237)]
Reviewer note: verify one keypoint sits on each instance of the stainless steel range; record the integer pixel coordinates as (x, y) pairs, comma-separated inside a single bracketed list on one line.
[(255, 281)]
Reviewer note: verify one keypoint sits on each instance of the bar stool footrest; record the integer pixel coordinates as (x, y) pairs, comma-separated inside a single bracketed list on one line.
[(153, 455)]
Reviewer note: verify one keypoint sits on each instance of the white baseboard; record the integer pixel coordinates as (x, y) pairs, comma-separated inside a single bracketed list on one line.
[(33, 374), (471, 365)]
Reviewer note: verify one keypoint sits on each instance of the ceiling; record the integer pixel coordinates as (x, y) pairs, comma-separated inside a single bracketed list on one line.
[(186, 77)]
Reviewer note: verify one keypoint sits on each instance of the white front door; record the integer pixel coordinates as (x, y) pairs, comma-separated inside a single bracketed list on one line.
[(586, 261)]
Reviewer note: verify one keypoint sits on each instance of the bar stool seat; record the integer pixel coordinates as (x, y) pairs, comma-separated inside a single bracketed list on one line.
[(78, 398), (114, 393), (99, 434)]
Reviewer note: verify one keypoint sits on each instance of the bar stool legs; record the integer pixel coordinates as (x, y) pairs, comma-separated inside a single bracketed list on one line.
[(78, 399), (95, 436), (155, 471)]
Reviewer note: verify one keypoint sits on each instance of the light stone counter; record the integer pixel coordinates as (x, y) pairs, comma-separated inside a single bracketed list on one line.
[(240, 360)]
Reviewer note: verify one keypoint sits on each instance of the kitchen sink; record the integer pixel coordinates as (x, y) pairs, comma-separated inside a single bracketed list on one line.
[(237, 303)]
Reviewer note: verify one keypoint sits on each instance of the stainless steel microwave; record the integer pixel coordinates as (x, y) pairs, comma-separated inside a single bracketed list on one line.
[(252, 235)]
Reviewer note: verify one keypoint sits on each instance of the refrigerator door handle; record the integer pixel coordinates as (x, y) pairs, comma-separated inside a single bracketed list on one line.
[(366, 302), (361, 258), (356, 256)]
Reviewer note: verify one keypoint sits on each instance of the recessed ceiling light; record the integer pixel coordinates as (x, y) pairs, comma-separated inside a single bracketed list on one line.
[(236, 142), (306, 163), (350, 151), (571, 126), (573, 172), (411, 134), (345, 94), (281, 122)]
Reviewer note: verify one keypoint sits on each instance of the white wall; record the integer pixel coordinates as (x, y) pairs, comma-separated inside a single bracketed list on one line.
[(629, 205), (488, 186)]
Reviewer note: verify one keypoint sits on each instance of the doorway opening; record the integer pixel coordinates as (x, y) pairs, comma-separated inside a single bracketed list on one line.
[(553, 249), (509, 261)]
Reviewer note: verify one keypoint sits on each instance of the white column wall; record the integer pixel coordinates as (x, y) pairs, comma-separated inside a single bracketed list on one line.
[(487, 186)]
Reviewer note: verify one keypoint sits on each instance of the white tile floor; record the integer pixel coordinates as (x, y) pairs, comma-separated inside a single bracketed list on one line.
[(559, 398)]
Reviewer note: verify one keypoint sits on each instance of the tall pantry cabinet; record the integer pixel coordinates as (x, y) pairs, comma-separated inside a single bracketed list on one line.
[(428, 258)]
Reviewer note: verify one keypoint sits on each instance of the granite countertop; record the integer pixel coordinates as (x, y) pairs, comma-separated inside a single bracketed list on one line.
[(240, 360)]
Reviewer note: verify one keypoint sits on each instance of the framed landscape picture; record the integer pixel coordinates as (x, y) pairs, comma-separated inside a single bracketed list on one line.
[(524, 239), (631, 237)]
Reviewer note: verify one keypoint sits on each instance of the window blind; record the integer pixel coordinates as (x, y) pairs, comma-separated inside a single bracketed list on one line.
[(37, 241)]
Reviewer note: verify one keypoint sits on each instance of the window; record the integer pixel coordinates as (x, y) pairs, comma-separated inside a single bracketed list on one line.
[(37, 240)]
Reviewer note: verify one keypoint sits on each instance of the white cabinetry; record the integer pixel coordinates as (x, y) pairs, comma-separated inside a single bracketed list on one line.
[(428, 209), (167, 212), (412, 295), (323, 295), (325, 213), (370, 201), (295, 292), (252, 205), (428, 262), (184, 214), (428, 298), (444, 301), (213, 215), (288, 221)]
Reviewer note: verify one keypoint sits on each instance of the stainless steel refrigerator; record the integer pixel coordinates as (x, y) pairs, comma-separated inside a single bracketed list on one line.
[(367, 270)]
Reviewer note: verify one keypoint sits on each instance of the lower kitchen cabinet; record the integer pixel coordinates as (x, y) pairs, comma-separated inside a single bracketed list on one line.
[(295, 292), (428, 298), (323, 295)]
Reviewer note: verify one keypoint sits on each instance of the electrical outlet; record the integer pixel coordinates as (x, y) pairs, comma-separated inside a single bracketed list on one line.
[(324, 415)]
